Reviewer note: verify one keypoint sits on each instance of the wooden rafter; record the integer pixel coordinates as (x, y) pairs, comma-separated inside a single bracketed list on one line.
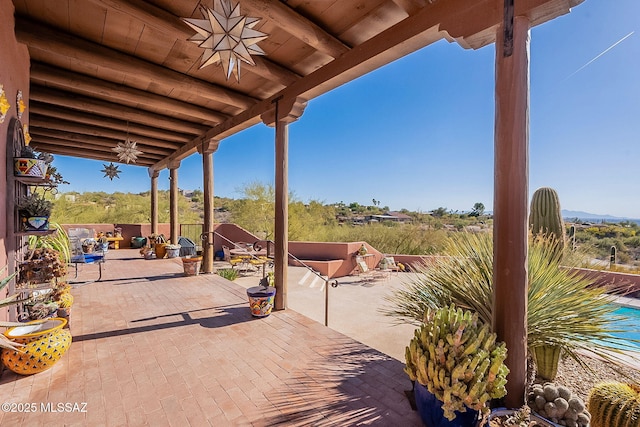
[(82, 52), (84, 131), (109, 109), (174, 26), (38, 109), (124, 95)]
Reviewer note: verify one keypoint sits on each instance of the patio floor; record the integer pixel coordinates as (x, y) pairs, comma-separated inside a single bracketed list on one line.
[(152, 347)]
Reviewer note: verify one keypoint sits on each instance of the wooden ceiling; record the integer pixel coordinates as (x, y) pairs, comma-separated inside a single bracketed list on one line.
[(102, 70)]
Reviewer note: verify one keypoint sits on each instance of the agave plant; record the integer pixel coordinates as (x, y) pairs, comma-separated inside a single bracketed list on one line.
[(58, 241), (564, 309)]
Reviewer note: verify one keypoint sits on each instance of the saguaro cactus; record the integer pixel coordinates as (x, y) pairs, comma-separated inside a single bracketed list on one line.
[(612, 257), (615, 404), (545, 217)]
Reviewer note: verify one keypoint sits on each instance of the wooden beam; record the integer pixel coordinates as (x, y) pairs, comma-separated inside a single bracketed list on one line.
[(411, 6), (38, 109), (75, 50), (295, 24), (84, 153), (510, 206), (117, 93), (109, 109), (84, 131), (82, 140), (171, 25)]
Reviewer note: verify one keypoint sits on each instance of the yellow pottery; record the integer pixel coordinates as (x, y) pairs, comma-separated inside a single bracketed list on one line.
[(44, 344), (65, 300), (160, 249)]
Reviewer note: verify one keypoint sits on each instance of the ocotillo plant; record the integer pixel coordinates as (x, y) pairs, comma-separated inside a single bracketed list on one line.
[(545, 217)]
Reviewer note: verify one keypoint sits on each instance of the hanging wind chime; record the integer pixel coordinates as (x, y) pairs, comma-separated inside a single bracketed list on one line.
[(226, 36)]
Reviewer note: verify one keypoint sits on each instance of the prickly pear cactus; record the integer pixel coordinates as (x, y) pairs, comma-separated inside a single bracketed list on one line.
[(615, 404), (545, 217), (457, 358)]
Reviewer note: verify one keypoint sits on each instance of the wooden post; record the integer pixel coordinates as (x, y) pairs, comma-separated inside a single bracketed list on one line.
[(173, 201), (285, 112), (208, 250), (153, 174), (511, 204)]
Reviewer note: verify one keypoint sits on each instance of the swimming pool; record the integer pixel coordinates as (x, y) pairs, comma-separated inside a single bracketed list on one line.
[(631, 325)]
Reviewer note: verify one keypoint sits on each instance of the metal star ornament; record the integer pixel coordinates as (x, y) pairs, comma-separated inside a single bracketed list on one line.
[(110, 171), (127, 151), (226, 36)]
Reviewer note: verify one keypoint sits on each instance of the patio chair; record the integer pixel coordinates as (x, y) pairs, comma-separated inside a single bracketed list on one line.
[(368, 274), (235, 261), (388, 264)]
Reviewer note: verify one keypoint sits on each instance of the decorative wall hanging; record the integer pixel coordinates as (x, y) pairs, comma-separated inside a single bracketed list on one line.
[(127, 151), (27, 137), (110, 171), (4, 105), (20, 104), (226, 36)]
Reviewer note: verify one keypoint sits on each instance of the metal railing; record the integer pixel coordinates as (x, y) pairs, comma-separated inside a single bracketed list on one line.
[(271, 244)]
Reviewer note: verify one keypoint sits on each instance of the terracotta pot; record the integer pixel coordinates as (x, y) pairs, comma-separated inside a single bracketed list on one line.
[(191, 265), (45, 343)]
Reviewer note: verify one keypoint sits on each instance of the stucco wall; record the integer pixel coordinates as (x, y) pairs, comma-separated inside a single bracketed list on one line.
[(14, 76)]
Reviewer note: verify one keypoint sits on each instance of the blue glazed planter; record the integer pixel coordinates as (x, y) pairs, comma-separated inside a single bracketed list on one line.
[(432, 415)]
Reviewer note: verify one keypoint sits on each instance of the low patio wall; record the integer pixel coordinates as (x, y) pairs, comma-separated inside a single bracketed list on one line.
[(623, 283), (333, 259)]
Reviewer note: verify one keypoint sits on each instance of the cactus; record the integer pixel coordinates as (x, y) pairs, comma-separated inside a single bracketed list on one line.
[(545, 217), (612, 258), (456, 357), (615, 404), (559, 405), (547, 358)]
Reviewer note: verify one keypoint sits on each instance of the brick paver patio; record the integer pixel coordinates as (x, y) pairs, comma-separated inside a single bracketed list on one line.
[(152, 347)]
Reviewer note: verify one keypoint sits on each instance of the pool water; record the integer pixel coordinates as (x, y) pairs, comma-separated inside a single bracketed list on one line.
[(631, 325)]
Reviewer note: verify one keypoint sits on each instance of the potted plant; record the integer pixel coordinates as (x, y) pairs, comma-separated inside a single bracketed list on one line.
[(54, 177), (456, 366), (559, 299), (261, 297), (173, 250), (31, 164), (103, 243), (34, 211)]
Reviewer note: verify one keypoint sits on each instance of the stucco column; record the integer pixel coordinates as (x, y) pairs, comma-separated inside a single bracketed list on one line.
[(153, 174), (173, 201), (208, 250), (511, 202), (286, 111)]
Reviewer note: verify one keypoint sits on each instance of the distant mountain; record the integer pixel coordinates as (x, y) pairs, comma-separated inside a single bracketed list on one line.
[(590, 217)]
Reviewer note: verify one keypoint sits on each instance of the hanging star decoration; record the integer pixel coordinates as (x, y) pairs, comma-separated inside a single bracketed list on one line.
[(226, 37), (127, 151), (110, 171), (4, 104)]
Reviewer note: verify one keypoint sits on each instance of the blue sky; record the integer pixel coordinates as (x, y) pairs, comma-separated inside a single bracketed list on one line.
[(418, 133)]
